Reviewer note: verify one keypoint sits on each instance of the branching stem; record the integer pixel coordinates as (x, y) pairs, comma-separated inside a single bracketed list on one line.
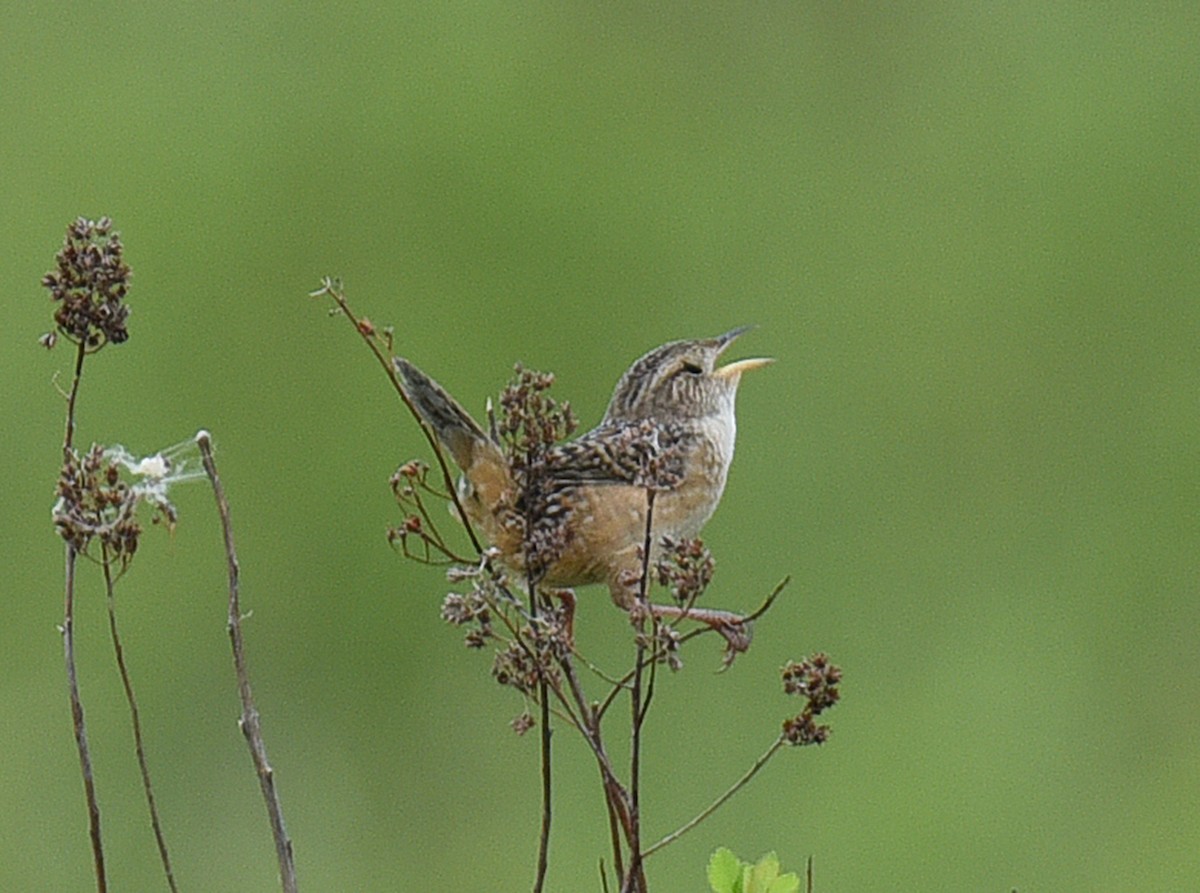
[(367, 333)]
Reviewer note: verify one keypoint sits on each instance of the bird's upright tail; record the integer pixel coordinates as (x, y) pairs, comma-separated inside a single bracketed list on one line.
[(487, 478)]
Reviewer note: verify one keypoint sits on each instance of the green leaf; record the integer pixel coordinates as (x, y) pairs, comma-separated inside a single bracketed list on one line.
[(764, 877), (725, 872), (728, 874), (785, 883)]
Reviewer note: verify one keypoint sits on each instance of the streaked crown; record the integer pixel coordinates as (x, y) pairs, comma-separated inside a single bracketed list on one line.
[(680, 381)]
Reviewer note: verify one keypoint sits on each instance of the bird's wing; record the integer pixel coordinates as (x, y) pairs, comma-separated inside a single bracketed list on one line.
[(630, 453)]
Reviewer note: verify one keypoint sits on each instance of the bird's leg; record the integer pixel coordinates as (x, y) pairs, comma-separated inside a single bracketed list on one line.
[(734, 628)]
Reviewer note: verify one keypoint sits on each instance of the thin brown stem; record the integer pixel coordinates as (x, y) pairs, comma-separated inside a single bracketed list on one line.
[(68, 634), (636, 878), (619, 685), (249, 722), (770, 599), (81, 740), (432, 528), (543, 856), (543, 860), (716, 804), (370, 338), (135, 720), (616, 797), (69, 434)]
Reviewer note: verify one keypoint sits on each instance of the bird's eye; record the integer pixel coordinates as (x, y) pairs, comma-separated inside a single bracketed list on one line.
[(692, 368)]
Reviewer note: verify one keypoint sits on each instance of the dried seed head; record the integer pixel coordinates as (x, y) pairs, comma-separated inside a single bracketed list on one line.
[(523, 723), (89, 285), (801, 731), (816, 680), (95, 501), (686, 567)]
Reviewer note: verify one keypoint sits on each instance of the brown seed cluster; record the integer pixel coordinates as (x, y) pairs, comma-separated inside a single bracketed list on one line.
[(531, 422), (816, 680), (94, 502), (90, 285), (685, 568)]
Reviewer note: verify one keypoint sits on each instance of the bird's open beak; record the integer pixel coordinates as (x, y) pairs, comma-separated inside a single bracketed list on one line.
[(723, 341), (733, 371)]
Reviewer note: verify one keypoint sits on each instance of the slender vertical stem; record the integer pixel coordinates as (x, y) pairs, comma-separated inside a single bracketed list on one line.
[(68, 634), (81, 741), (636, 879), (143, 765), (249, 721), (543, 861), (69, 434), (615, 797), (543, 857)]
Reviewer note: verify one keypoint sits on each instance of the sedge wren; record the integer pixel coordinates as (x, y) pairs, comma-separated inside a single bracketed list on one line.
[(675, 403)]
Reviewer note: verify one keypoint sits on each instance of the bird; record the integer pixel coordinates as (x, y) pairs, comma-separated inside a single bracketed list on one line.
[(676, 404)]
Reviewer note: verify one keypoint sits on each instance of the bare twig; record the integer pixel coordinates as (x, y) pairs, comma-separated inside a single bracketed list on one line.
[(68, 634), (716, 804), (81, 741), (770, 599), (135, 720), (635, 880), (616, 797), (621, 684), (72, 395), (249, 722), (371, 338), (543, 860), (543, 856)]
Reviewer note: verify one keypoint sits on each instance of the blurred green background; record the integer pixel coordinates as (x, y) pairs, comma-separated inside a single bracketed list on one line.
[(969, 233)]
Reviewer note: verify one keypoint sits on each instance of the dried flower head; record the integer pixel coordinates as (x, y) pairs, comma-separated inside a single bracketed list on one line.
[(667, 642), (96, 501), (459, 609), (516, 668), (474, 608), (90, 285), (801, 731), (417, 536), (816, 680), (523, 723), (530, 420), (530, 423), (685, 567), (549, 634)]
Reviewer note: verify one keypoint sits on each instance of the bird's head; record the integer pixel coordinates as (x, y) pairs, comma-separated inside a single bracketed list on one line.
[(680, 381)]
